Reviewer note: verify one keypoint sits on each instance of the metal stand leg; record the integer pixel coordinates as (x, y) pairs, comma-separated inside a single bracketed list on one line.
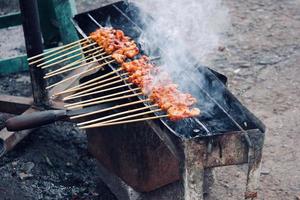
[(254, 162), (34, 46), (193, 170)]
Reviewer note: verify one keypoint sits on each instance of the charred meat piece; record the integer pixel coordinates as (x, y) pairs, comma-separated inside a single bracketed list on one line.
[(158, 85), (153, 82), (115, 43)]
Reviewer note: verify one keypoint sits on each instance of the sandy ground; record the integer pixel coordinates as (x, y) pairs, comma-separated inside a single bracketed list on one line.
[(262, 63), (261, 59)]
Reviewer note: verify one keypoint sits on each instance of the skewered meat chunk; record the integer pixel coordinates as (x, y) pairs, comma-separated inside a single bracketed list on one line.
[(162, 91), (115, 43), (178, 113), (153, 81), (175, 103), (120, 58), (135, 65)]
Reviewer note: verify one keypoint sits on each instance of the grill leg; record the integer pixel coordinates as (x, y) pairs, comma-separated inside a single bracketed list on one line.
[(34, 46), (254, 165), (192, 170)]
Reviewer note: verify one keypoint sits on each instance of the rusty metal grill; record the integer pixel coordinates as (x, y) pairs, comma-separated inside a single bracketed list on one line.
[(227, 113)]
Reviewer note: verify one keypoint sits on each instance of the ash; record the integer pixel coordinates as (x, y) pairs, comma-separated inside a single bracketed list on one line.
[(52, 163)]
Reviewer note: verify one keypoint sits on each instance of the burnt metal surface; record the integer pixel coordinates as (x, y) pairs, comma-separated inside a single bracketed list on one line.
[(192, 169), (152, 154), (226, 114), (254, 165), (230, 150), (136, 154), (147, 156)]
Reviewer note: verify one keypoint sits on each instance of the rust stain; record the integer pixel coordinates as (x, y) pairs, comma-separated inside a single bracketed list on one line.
[(250, 195), (229, 161)]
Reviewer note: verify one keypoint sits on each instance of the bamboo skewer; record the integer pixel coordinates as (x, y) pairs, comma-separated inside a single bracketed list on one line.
[(78, 47), (131, 116), (109, 109), (85, 58), (59, 48), (92, 89), (99, 98), (106, 100), (78, 95), (95, 84), (67, 66), (103, 81), (98, 60), (78, 87), (115, 115), (65, 59), (122, 122), (68, 53), (71, 68), (79, 74), (100, 91)]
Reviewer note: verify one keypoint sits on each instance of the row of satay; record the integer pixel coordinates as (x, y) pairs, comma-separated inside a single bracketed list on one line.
[(154, 82)]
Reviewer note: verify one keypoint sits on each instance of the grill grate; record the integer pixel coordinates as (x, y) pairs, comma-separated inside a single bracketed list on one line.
[(226, 114)]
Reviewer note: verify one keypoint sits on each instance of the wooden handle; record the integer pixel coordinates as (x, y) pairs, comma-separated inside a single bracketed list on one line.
[(33, 120)]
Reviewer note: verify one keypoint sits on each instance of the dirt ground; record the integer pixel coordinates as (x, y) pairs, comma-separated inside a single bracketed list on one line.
[(262, 61)]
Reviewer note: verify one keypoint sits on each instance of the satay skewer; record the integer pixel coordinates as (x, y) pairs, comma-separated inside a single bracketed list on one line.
[(99, 98), (132, 116), (86, 93), (82, 59), (85, 59), (105, 101), (97, 60), (79, 87), (74, 63), (81, 54), (94, 88), (101, 91), (60, 49), (117, 114), (56, 53), (109, 109), (58, 59), (60, 56), (80, 74), (122, 122), (72, 68)]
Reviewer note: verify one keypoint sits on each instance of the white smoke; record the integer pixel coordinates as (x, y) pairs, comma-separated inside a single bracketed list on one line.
[(189, 26), (183, 29)]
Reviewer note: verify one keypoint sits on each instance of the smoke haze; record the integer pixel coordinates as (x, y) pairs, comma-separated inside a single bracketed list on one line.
[(183, 29), (192, 27)]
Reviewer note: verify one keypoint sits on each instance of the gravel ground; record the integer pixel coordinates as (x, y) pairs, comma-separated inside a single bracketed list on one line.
[(261, 59)]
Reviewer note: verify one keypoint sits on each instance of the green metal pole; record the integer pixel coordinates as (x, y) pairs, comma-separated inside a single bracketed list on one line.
[(65, 10), (49, 25)]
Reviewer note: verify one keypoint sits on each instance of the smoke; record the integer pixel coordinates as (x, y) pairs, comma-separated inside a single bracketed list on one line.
[(182, 30)]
